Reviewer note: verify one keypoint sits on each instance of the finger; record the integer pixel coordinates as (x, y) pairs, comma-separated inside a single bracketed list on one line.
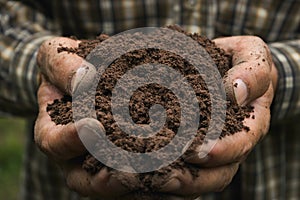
[(208, 180), (60, 68), (250, 77), (245, 48), (102, 184), (58, 141), (236, 147), (47, 93), (246, 82)]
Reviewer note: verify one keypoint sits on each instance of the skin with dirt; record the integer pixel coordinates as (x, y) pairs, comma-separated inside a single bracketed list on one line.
[(146, 96)]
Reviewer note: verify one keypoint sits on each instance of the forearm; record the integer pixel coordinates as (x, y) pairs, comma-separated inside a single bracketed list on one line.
[(22, 32), (286, 56)]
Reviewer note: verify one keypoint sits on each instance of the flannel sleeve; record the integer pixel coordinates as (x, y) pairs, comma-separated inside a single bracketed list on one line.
[(286, 57), (22, 30)]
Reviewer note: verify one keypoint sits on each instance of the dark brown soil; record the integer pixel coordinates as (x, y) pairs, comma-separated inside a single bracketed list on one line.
[(143, 98)]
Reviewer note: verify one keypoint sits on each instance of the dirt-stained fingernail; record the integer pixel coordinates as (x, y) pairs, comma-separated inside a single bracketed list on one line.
[(83, 78), (199, 158), (202, 154), (88, 131), (240, 91)]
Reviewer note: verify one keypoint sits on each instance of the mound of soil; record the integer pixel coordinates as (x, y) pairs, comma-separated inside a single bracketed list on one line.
[(146, 96)]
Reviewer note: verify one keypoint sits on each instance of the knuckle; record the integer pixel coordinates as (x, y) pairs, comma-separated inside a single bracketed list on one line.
[(256, 40), (44, 146), (222, 187), (75, 184), (69, 182), (247, 147), (40, 138), (245, 153), (47, 146), (227, 177)]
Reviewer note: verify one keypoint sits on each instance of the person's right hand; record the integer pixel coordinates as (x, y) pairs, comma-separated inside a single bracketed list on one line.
[(61, 73)]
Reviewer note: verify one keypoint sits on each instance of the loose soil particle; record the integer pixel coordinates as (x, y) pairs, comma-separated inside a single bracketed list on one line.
[(146, 96)]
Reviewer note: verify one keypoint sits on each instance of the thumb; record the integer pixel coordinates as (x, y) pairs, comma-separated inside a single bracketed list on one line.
[(63, 69), (250, 76), (246, 82)]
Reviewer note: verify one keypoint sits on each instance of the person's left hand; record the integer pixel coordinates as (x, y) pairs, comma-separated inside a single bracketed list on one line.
[(251, 81)]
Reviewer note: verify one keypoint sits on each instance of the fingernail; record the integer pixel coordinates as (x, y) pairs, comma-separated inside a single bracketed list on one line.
[(240, 91), (83, 78), (202, 154), (88, 135), (198, 158), (88, 131)]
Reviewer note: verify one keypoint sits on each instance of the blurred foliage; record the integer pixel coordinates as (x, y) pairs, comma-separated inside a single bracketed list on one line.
[(12, 144)]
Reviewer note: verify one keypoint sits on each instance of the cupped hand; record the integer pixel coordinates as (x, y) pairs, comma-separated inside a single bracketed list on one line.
[(251, 81), (61, 74)]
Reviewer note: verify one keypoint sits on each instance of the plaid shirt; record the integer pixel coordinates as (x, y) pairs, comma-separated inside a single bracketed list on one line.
[(272, 170)]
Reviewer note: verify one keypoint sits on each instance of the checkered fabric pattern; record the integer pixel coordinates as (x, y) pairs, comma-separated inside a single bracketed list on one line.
[(272, 170)]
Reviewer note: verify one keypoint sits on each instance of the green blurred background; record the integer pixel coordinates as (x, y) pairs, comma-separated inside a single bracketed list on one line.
[(12, 144)]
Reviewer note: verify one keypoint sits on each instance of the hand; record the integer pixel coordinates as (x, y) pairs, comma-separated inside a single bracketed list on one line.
[(251, 81), (61, 74)]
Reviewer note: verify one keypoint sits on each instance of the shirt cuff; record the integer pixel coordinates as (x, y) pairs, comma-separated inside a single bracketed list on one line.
[(286, 57), (20, 88)]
